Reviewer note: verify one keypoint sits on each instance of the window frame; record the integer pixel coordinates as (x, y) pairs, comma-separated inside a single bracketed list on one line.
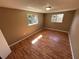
[(34, 16), (57, 20)]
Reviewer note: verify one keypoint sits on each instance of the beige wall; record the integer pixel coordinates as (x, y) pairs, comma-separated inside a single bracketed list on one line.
[(65, 26), (74, 36), (14, 24)]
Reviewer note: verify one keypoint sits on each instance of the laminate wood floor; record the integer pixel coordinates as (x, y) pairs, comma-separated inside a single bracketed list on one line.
[(45, 44)]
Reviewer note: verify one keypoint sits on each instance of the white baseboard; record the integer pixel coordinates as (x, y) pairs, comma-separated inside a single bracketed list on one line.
[(71, 46), (25, 37), (55, 29)]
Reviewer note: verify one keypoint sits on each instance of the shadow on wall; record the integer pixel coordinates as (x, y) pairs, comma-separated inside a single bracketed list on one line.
[(74, 36), (0, 57)]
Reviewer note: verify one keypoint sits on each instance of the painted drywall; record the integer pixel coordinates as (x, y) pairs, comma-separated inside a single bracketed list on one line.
[(4, 48), (14, 24), (67, 21), (74, 35)]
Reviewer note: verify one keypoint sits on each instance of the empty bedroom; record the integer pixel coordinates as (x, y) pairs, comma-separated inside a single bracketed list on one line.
[(39, 29)]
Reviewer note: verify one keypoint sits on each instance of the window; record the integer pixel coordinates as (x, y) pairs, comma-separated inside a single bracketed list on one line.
[(32, 19), (58, 18)]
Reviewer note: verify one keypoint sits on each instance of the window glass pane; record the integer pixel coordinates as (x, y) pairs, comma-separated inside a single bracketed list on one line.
[(32, 19), (54, 18), (58, 18)]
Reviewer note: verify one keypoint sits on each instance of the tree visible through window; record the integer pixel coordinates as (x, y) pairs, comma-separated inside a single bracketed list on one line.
[(58, 18), (32, 19)]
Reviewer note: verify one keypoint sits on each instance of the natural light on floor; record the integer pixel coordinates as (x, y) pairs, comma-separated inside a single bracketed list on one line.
[(36, 39)]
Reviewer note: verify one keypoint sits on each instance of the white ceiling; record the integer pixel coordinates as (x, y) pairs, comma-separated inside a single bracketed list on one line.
[(40, 5)]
